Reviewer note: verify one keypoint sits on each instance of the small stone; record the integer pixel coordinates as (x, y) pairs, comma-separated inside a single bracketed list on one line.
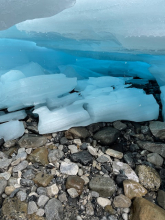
[(39, 155), (125, 216), (41, 191), (84, 146), (26, 182), (72, 192), (4, 162), (42, 200), (118, 166), (122, 201), (83, 157), (52, 190), (94, 194), (105, 186), (77, 132), (109, 210), (129, 160), (22, 155), (106, 136), (64, 141), (120, 178), (77, 141), (16, 162), (114, 153), (5, 175), (158, 129), (69, 168), (133, 147), (103, 201), (28, 150), (9, 144), (40, 212), (3, 184), (119, 125), (9, 190), (148, 177), (20, 166), (103, 159), (161, 198), (73, 149), (42, 179), (32, 141), (55, 155), (86, 179), (75, 182), (29, 174), (89, 209), (21, 196), (63, 197), (80, 172), (142, 209), (54, 210), (92, 150), (155, 158), (32, 207), (133, 189)]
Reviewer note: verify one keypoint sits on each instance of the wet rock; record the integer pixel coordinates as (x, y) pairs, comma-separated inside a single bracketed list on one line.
[(40, 155), (133, 189), (119, 125), (54, 210), (118, 166), (69, 168), (107, 136), (40, 212), (103, 201), (161, 198), (158, 129), (77, 132), (121, 201), (3, 184), (114, 153), (155, 158), (32, 141), (42, 179), (55, 155), (75, 182), (148, 177), (72, 192), (143, 209), (83, 157), (129, 160), (105, 186), (154, 147), (21, 166)]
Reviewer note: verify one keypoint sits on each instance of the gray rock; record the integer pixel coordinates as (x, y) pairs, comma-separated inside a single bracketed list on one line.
[(114, 153), (21, 196), (119, 125), (21, 155), (12, 181), (73, 193), (73, 149), (10, 143), (1, 142), (148, 177), (158, 129), (105, 186), (42, 200), (77, 132), (20, 166), (155, 158), (129, 160), (40, 212), (62, 197), (41, 191), (144, 129), (32, 207), (122, 201), (32, 141), (55, 155), (26, 182), (3, 184), (5, 175), (4, 161), (54, 210), (107, 136), (161, 198), (69, 168), (102, 159), (94, 194), (158, 148), (89, 209), (29, 174), (64, 141)]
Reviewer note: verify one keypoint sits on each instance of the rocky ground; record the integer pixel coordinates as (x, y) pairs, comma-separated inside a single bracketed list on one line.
[(106, 171)]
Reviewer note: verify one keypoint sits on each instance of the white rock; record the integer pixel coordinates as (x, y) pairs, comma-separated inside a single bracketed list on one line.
[(92, 150), (114, 153), (52, 190), (69, 168), (32, 207), (125, 216), (77, 141), (42, 200), (85, 178), (40, 212), (103, 201), (73, 149), (73, 193)]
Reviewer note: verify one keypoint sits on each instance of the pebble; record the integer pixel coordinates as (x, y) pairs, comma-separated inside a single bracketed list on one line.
[(39, 155), (62, 197), (83, 157), (3, 184), (121, 201), (40, 212), (20, 166), (103, 201), (42, 200), (54, 210), (42, 179), (75, 182), (9, 190), (125, 216), (119, 125), (72, 192), (155, 158), (32, 207), (26, 182), (158, 129), (77, 141), (21, 196), (32, 141), (5, 175), (161, 198), (77, 132), (69, 168), (94, 194), (92, 150), (52, 190), (86, 179), (103, 159), (114, 153), (89, 209), (73, 149), (55, 155)]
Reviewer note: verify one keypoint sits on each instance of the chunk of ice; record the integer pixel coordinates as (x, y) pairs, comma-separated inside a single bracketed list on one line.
[(11, 130), (13, 116)]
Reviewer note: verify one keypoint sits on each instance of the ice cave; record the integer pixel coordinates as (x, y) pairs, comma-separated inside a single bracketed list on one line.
[(82, 109)]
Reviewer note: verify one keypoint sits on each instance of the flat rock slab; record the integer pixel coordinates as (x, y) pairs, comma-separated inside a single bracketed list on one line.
[(39, 155), (83, 157), (142, 209), (154, 147), (105, 186), (32, 141)]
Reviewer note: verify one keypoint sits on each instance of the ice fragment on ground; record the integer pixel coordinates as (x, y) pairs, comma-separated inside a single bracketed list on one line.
[(11, 130), (13, 116)]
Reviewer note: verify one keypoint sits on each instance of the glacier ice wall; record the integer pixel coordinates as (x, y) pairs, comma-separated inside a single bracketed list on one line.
[(73, 61)]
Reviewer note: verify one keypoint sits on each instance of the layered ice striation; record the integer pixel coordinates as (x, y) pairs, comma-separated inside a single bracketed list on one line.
[(75, 62)]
